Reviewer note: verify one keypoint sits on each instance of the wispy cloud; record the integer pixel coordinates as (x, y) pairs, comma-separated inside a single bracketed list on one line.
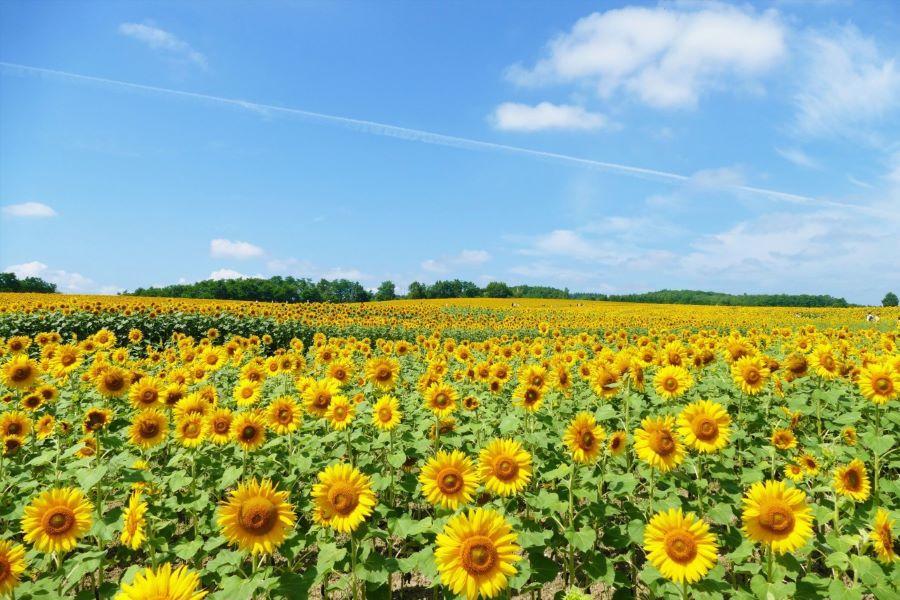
[(466, 258), (162, 40), (29, 210), (221, 248), (226, 274), (799, 158), (67, 281), (512, 116)]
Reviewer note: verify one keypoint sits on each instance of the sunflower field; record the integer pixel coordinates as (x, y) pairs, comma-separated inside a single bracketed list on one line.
[(175, 449)]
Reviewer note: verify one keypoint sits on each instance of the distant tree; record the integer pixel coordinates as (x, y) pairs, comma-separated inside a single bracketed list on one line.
[(386, 291), (890, 299), (497, 289), (416, 291), (10, 283)]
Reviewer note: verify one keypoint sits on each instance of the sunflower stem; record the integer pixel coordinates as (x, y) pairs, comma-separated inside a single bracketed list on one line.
[(353, 566), (877, 461), (685, 590), (571, 564), (770, 559)]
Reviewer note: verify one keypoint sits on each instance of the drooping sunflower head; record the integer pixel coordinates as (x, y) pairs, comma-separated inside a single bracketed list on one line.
[(656, 443), (449, 479), (12, 444), (12, 565), (148, 428), (852, 481), (671, 381), (879, 382), (849, 435), (256, 517), (343, 498), (56, 519), (704, 425), (284, 415), (440, 398), (883, 537), (680, 545), (45, 426), (584, 438), (249, 430), (163, 583), (386, 413), (777, 515), (505, 467), (475, 553)]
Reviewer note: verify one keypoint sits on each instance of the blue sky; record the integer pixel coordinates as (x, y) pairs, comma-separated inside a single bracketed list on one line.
[(146, 143)]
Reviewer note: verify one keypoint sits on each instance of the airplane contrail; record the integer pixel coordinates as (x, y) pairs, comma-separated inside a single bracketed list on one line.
[(428, 137)]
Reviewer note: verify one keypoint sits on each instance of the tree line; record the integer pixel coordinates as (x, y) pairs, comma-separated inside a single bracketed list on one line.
[(35, 285)]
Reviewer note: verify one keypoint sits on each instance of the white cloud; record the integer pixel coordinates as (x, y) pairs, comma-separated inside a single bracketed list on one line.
[(799, 158), (665, 57), (66, 281), (847, 83), (159, 39), (512, 116), (307, 269), (226, 274), (341, 273), (220, 248), (466, 258), (29, 210)]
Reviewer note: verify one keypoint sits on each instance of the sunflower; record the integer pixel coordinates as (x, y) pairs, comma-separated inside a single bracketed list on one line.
[(213, 358), (54, 520), (45, 426), (340, 412), (528, 397), (343, 498), (824, 362), (12, 565), (656, 443), (617, 442), (386, 413), (20, 372), (504, 466), (149, 428), (218, 426), (189, 430), (849, 435), (441, 398), (249, 430), (777, 515), (14, 423), (66, 359), (879, 383), (134, 523), (852, 481), (382, 372), (584, 437), (146, 393), (113, 381), (475, 553), (784, 439), (88, 447), (795, 472), (704, 426), (163, 583), (247, 393), (12, 444), (449, 479), (95, 419), (193, 404), (317, 395), (680, 545), (750, 374), (809, 463), (672, 381), (284, 415), (883, 536), (256, 517), (32, 402)]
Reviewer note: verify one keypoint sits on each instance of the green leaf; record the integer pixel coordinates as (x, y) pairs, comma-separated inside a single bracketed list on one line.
[(87, 479), (583, 539), (229, 476)]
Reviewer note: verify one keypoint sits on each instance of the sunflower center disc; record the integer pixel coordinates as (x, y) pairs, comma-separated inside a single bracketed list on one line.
[(114, 382), (343, 499), (663, 443), (506, 468), (248, 433), (258, 515), (450, 480), (21, 373), (59, 520), (383, 374), (680, 546), (852, 480), (384, 414), (148, 397), (587, 440), (148, 429), (777, 519), (752, 376), (671, 384), (220, 426), (284, 416), (14, 429), (883, 385), (706, 428), (478, 555)]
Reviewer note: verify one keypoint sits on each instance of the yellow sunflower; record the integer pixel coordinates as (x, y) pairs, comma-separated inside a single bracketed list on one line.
[(56, 519), (134, 522), (528, 397), (218, 426), (45, 426), (852, 481), (440, 397), (14, 423), (256, 517), (750, 374), (146, 393), (777, 515), (249, 430), (704, 426), (386, 413), (113, 381), (340, 412), (883, 536), (672, 381), (317, 395), (163, 583), (795, 472), (475, 553), (617, 442), (20, 372), (504, 466), (584, 437), (95, 419), (247, 393), (449, 479), (12, 565), (343, 498), (149, 428), (382, 372), (824, 362), (656, 443), (284, 415), (784, 439), (879, 383), (680, 545)]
